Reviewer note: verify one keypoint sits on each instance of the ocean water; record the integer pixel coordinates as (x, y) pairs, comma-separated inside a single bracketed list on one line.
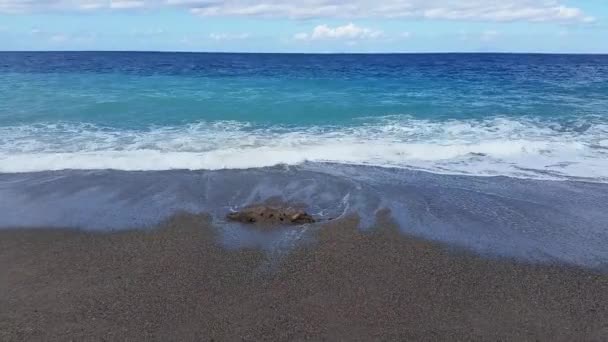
[(505, 154), (529, 116)]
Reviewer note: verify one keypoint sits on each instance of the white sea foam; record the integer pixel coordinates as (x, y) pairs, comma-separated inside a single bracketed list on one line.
[(520, 148)]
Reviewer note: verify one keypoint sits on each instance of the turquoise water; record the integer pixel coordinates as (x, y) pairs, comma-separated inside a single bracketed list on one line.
[(536, 116)]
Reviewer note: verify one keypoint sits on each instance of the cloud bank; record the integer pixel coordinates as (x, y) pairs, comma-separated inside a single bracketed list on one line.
[(229, 36), (473, 10), (349, 32)]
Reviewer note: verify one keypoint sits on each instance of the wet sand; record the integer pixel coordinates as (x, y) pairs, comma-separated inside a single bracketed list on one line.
[(176, 283)]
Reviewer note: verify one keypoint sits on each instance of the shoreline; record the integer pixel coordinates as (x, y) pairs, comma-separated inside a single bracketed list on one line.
[(537, 221), (175, 281)]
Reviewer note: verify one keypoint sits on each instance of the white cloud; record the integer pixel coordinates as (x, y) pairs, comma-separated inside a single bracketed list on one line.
[(477, 10), (21, 6), (126, 4), (346, 32), (510, 11), (229, 36)]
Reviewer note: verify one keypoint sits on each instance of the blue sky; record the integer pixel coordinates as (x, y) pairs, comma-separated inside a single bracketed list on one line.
[(578, 26)]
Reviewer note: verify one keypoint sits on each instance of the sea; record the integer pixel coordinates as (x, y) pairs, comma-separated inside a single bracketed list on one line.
[(505, 155)]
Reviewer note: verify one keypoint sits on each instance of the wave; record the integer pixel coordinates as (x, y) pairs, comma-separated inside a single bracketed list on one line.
[(524, 147)]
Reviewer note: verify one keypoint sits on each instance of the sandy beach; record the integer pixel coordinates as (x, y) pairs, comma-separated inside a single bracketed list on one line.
[(175, 282)]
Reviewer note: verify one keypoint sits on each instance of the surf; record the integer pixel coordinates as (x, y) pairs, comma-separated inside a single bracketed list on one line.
[(498, 146)]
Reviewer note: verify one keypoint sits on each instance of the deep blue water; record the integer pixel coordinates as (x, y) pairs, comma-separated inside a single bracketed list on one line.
[(139, 89)]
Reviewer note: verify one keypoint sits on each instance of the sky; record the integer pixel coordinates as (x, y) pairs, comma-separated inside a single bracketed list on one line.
[(324, 26)]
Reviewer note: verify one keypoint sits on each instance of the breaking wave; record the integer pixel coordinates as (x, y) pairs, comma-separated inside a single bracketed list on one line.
[(526, 148)]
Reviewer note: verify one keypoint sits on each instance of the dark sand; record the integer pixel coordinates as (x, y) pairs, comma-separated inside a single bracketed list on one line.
[(175, 283)]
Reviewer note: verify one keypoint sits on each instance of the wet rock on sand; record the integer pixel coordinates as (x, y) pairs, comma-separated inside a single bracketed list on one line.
[(271, 215)]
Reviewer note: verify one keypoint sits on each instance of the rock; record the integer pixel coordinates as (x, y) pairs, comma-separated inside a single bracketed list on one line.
[(302, 217), (263, 214)]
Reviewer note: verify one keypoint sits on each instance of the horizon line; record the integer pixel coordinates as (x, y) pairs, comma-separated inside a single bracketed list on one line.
[(311, 53)]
